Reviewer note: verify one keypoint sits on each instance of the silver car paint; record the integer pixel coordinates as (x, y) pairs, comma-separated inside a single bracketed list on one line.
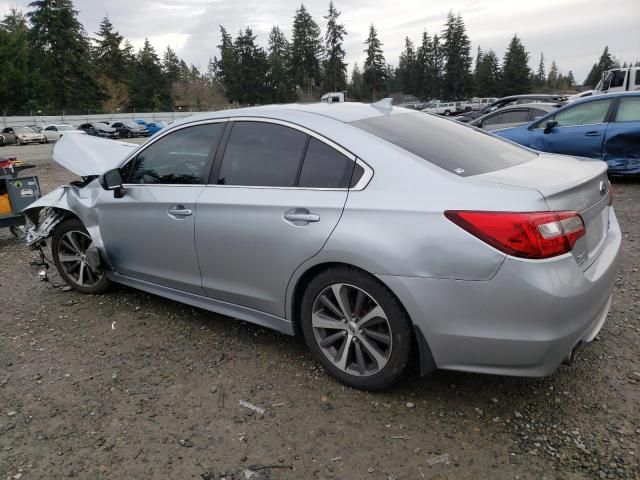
[(467, 298)]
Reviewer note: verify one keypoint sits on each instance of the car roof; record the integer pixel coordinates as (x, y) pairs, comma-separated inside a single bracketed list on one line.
[(346, 112)]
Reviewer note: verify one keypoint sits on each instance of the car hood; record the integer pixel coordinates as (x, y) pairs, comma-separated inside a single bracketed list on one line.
[(85, 155)]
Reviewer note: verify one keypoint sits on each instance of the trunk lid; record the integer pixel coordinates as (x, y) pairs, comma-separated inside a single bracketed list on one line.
[(567, 183)]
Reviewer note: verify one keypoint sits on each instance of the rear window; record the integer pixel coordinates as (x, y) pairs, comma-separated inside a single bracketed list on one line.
[(454, 147)]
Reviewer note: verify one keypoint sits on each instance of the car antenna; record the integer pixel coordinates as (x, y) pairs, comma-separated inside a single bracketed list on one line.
[(385, 105)]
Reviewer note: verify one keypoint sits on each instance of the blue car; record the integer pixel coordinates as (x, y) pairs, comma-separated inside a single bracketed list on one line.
[(153, 127), (606, 127)]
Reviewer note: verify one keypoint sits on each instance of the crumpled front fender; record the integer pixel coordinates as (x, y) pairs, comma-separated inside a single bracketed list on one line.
[(60, 204)]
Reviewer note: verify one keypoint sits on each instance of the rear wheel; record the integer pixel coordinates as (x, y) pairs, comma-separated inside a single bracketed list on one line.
[(447, 113), (356, 328), (69, 247)]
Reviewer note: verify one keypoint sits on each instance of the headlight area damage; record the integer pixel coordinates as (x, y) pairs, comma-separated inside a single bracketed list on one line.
[(87, 157)]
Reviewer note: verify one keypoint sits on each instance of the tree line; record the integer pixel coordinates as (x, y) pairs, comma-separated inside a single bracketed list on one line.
[(49, 63)]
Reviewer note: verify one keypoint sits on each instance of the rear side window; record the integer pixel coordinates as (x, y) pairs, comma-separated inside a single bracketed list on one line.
[(638, 77), (513, 116), (262, 154), (449, 145), (536, 113), (629, 110), (325, 167), (584, 114)]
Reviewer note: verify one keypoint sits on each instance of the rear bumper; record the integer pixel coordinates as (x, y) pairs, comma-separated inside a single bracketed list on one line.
[(522, 322)]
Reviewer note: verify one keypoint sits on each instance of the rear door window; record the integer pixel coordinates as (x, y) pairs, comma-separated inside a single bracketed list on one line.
[(262, 154), (618, 79), (454, 147), (512, 116), (628, 110), (325, 167)]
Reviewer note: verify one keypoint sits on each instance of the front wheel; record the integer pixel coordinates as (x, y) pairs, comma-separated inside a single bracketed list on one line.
[(356, 328), (76, 260), (18, 142)]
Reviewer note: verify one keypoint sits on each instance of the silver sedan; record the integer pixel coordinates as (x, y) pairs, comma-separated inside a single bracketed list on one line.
[(371, 231)]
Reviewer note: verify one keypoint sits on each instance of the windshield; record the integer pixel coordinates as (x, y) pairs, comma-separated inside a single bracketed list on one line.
[(23, 130), (132, 125), (452, 146), (64, 128)]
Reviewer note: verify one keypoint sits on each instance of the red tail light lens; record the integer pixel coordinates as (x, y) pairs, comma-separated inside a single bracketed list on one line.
[(533, 235)]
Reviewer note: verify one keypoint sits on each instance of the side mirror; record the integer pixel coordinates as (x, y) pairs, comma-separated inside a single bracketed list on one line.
[(549, 126), (112, 180)]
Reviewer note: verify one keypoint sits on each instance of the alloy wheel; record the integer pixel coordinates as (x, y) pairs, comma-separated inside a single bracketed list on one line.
[(351, 329), (72, 255)]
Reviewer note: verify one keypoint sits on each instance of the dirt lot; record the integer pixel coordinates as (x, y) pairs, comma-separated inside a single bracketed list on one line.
[(129, 385)]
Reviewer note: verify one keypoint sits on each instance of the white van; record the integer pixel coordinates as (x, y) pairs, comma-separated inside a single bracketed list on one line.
[(619, 80)]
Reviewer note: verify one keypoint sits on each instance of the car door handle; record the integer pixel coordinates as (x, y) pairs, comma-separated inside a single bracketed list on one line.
[(179, 211), (301, 215), (592, 134)]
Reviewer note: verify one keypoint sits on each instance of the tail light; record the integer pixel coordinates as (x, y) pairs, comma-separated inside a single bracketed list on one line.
[(534, 235)]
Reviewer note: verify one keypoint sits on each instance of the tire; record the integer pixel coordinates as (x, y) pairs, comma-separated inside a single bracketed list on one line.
[(18, 142), (447, 113), (385, 342), (129, 135), (71, 239)]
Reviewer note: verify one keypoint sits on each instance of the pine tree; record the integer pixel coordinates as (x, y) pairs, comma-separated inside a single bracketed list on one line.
[(60, 57), (571, 81), (251, 70), (553, 77), (541, 76), (335, 69), (110, 58), (281, 84), (605, 62), (356, 85), (375, 67), (306, 50), (457, 52), (407, 69), (487, 78), (171, 66), (516, 75), (225, 66), (147, 86), (15, 74)]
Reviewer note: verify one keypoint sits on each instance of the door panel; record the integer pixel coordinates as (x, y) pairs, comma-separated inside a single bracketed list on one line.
[(248, 250), (582, 140), (145, 241)]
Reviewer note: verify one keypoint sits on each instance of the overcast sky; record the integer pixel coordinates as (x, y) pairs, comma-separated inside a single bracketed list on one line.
[(573, 32)]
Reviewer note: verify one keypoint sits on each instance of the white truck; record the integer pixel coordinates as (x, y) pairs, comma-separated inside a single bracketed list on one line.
[(442, 108), (619, 80), (333, 97)]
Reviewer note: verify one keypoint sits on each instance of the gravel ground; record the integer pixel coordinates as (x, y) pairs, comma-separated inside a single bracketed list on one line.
[(129, 385)]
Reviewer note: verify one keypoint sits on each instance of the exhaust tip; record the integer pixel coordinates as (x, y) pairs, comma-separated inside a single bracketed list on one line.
[(571, 357)]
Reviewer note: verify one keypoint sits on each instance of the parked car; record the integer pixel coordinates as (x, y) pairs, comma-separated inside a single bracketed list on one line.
[(99, 129), (606, 127), (155, 127), (3, 143), (22, 136), (482, 255), (444, 108), (130, 129), (513, 116), (625, 79), (53, 133), (512, 100), (581, 95)]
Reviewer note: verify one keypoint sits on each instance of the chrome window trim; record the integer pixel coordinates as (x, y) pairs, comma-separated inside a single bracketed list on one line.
[(361, 185), (154, 139)]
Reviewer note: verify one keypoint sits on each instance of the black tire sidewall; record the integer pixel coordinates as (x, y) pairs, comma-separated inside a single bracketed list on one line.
[(398, 320), (58, 233)]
